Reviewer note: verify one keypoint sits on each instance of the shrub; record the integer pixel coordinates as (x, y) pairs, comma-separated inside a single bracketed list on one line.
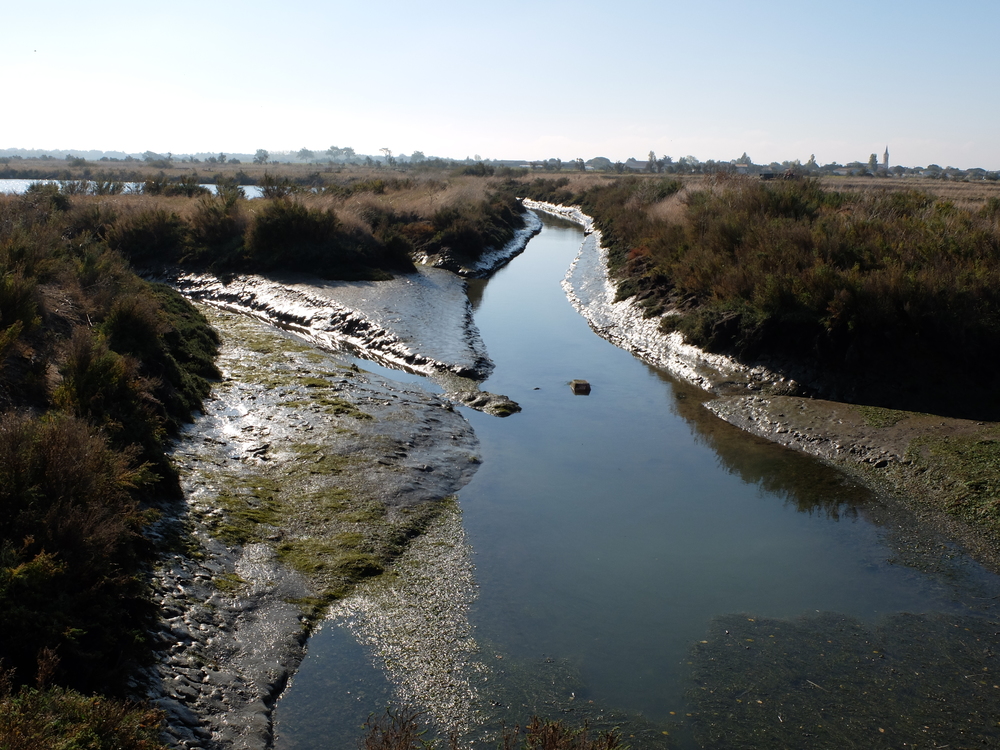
[(285, 233), (148, 236), (70, 550), (32, 718), (275, 187), (18, 300), (46, 194), (217, 228), (108, 390)]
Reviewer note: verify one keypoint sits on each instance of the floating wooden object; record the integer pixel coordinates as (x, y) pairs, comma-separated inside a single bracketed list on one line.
[(580, 387)]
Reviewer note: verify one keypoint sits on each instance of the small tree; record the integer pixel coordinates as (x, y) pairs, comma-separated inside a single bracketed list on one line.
[(651, 161), (305, 154), (222, 158), (872, 163), (261, 157), (417, 156)]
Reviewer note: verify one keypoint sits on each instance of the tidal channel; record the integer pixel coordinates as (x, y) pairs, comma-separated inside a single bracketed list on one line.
[(614, 539)]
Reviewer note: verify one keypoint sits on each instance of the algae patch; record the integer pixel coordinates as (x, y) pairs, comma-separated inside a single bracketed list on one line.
[(966, 472), (288, 459), (878, 416)]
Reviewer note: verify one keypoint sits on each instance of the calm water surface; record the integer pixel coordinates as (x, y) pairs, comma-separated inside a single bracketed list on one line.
[(609, 530)]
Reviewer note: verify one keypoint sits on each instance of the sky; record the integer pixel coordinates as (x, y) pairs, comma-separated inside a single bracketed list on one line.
[(779, 80)]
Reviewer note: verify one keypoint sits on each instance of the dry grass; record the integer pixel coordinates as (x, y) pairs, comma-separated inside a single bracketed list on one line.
[(965, 195)]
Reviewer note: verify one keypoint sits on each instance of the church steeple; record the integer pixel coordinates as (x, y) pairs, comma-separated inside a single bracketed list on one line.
[(885, 159)]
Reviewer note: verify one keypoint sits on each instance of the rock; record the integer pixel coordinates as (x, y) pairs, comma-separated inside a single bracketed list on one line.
[(484, 401)]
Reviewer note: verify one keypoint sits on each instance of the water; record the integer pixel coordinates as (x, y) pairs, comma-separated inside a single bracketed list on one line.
[(609, 531), (19, 186)]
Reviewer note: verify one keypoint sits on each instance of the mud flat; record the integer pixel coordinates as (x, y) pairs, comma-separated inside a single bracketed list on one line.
[(303, 476), (920, 460), (420, 322)]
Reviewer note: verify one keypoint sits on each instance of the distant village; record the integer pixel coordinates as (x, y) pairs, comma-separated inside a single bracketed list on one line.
[(874, 166)]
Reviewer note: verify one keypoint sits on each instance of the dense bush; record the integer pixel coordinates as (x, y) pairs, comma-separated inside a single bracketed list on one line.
[(31, 719), (70, 550), (148, 236), (98, 366), (873, 289)]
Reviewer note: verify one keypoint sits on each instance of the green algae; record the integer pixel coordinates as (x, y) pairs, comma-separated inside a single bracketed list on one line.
[(965, 471), (877, 416)]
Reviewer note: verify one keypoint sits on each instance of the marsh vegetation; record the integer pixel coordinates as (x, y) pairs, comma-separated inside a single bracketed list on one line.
[(883, 297)]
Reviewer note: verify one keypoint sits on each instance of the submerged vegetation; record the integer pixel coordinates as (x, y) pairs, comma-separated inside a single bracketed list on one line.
[(869, 289), (911, 681)]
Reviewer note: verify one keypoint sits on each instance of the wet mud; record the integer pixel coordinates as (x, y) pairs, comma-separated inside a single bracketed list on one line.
[(303, 476)]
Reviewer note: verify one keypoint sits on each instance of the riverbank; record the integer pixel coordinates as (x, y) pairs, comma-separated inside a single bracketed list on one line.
[(420, 322), (941, 468), (303, 476)]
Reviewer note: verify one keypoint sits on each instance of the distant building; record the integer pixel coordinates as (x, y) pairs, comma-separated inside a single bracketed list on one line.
[(885, 159)]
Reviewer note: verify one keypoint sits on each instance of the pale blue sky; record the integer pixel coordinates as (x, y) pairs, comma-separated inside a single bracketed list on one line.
[(777, 79)]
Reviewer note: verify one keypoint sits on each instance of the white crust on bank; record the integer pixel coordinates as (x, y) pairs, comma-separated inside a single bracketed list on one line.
[(592, 293)]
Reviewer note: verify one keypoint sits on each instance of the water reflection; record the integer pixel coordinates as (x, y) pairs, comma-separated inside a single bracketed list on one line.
[(803, 481)]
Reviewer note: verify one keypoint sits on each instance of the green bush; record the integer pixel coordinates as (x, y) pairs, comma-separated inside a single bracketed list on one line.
[(70, 551), (151, 236), (31, 719)]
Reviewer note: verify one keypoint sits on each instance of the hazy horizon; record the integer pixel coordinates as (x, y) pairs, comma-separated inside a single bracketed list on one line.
[(779, 80)]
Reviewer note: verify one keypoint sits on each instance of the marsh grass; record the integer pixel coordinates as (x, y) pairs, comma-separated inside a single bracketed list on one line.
[(964, 471)]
